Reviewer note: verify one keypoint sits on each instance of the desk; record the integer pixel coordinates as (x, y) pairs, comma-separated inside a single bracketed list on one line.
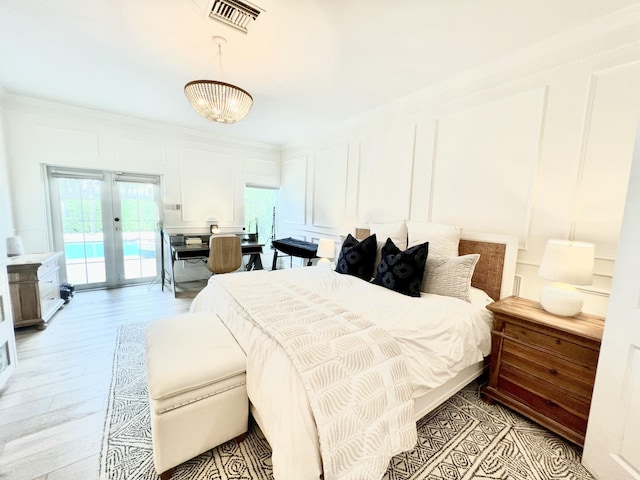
[(174, 248)]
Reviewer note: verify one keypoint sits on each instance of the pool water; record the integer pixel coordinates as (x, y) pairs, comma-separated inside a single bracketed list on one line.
[(79, 250)]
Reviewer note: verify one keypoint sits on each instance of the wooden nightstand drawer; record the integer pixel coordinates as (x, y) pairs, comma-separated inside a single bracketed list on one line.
[(544, 366), (550, 392), (554, 343), (544, 407), (572, 377)]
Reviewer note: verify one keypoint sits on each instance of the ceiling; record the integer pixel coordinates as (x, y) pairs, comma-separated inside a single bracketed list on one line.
[(307, 63)]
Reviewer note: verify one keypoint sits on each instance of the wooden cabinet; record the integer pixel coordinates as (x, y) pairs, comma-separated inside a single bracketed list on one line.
[(543, 366), (35, 288)]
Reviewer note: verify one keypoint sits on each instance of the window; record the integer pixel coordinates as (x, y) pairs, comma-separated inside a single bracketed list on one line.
[(260, 207)]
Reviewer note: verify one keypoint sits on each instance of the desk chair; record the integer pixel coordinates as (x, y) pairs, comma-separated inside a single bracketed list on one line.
[(225, 253)]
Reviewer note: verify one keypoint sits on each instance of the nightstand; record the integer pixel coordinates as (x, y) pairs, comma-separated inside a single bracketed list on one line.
[(543, 366)]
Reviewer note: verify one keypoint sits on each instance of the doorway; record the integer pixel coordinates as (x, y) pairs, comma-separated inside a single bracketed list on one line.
[(107, 225), (260, 204)]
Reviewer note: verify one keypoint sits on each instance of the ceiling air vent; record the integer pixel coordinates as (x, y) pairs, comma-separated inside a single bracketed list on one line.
[(237, 14)]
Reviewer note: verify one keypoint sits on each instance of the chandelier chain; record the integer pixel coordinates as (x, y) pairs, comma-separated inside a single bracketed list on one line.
[(220, 63)]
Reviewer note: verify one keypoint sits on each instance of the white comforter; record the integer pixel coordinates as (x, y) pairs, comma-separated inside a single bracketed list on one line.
[(439, 337)]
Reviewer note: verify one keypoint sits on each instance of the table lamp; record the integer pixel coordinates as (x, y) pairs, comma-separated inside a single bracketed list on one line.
[(326, 250), (15, 246), (566, 263)]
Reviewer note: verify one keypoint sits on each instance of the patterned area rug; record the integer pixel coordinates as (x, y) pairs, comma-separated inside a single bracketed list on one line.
[(463, 439)]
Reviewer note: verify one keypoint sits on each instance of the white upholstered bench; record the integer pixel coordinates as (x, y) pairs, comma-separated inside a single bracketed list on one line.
[(197, 393)]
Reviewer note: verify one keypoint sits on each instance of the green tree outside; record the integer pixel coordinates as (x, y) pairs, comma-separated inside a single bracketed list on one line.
[(259, 204)]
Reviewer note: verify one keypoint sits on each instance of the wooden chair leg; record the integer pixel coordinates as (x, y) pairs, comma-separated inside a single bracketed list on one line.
[(166, 475), (240, 438)]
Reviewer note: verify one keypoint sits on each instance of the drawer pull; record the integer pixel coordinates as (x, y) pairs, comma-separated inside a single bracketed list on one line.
[(558, 341), (553, 371), (549, 402)]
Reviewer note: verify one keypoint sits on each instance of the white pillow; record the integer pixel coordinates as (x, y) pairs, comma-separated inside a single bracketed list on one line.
[(396, 231), (450, 276), (443, 239)]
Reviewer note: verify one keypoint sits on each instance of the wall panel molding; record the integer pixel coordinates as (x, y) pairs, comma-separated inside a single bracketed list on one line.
[(385, 175), (485, 164), (207, 181), (65, 145), (605, 156), (133, 151), (329, 186), (261, 172), (294, 191), (611, 37)]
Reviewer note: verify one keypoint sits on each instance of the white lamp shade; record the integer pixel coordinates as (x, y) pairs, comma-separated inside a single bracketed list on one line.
[(326, 248), (15, 246), (568, 262)]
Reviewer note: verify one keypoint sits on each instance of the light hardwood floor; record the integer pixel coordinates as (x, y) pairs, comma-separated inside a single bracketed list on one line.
[(52, 409)]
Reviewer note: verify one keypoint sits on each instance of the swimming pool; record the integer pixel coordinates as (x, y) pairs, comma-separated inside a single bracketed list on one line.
[(95, 250)]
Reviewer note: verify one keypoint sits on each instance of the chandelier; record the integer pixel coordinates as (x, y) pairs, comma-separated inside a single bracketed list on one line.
[(218, 101)]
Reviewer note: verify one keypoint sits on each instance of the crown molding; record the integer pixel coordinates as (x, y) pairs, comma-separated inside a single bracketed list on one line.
[(609, 35), (37, 106)]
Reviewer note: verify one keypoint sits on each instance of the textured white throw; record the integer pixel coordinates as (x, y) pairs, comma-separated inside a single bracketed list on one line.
[(355, 375)]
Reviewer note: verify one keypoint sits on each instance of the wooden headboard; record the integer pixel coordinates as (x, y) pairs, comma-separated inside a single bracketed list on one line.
[(496, 268)]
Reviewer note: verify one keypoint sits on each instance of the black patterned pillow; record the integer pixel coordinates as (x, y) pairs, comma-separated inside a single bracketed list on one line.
[(402, 271), (357, 258)]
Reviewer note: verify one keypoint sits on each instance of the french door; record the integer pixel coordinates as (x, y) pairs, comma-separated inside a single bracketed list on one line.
[(107, 224)]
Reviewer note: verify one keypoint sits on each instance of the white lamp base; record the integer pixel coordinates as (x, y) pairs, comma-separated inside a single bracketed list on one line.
[(561, 299), (324, 260)]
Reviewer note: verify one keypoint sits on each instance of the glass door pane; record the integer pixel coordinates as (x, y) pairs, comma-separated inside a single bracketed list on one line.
[(107, 224), (80, 203), (260, 205), (139, 218)]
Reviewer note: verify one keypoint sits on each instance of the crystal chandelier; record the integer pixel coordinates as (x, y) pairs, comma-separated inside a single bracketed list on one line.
[(218, 101)]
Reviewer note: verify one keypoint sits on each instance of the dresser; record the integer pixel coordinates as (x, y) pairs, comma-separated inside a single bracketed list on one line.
[(34, 288), (543, 366)]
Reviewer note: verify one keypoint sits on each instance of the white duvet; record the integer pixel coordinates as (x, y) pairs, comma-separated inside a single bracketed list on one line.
[(438, 335)]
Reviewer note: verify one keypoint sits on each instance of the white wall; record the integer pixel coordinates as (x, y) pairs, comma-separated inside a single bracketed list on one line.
[(536, 145), (6, 216), (205, 174), (613, 434)]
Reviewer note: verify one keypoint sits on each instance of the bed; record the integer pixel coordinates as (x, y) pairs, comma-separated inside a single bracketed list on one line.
[(443, 342)]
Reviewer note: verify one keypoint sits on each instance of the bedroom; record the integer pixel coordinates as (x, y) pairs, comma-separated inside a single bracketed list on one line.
[(550, 127)]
